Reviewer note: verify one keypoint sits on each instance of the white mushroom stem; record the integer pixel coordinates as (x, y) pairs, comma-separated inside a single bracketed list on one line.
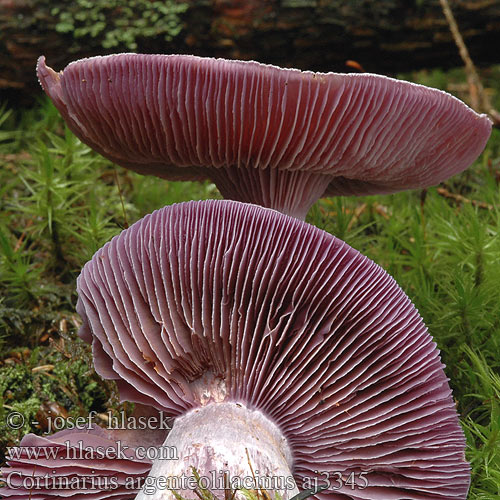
[(230, 446)]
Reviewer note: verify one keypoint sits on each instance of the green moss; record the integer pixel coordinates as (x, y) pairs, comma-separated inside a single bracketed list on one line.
[(15, 383), (108, 24), (119, 24), (16, 396), (35, 383)]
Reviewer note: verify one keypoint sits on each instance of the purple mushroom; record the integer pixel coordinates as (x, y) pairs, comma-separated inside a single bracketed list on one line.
[(86, 464), (282, 353), (280, 138)]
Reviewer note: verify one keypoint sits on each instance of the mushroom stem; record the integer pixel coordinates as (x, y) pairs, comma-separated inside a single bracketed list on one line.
[(230, 446), (291, 192)]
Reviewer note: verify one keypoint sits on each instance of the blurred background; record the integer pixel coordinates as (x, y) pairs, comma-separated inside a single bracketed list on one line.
[(386, 36)]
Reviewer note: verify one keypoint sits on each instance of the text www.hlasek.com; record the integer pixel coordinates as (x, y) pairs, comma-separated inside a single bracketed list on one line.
[(78, 451)]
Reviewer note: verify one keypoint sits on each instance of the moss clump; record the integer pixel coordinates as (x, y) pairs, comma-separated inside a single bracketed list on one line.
[(44, 383), (108, 24)]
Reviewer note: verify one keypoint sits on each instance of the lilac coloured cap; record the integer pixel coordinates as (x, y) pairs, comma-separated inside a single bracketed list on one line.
[(274, 343), (280, 138), (86, 464)]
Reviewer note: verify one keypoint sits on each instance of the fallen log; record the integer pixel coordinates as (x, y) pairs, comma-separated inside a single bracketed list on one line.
[(387, 36)]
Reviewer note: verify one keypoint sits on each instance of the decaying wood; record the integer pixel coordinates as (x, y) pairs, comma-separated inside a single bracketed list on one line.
[(387, 36), (462, 199)]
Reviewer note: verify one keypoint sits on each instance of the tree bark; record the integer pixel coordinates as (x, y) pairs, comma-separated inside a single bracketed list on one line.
[(384, 36)]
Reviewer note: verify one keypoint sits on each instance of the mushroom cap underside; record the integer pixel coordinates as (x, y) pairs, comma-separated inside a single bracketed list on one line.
[(216, 301), (80, 464), (179, 117)]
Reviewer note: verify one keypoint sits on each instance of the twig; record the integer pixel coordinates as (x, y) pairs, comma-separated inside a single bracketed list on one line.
[(121, 197), (59, 347), (253, 475), (355, 64), (198, 494), (42, 368), (359, 210), (381, 210), (462, 199), (480, 99), (23, 235)]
